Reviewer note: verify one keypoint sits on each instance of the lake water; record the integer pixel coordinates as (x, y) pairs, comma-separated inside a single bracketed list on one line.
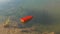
[(36, 8)]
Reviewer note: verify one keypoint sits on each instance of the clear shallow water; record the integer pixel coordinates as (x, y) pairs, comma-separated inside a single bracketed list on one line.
[(36, 8)]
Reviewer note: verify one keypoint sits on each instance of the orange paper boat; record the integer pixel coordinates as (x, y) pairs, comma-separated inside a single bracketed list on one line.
[(25, 19)]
